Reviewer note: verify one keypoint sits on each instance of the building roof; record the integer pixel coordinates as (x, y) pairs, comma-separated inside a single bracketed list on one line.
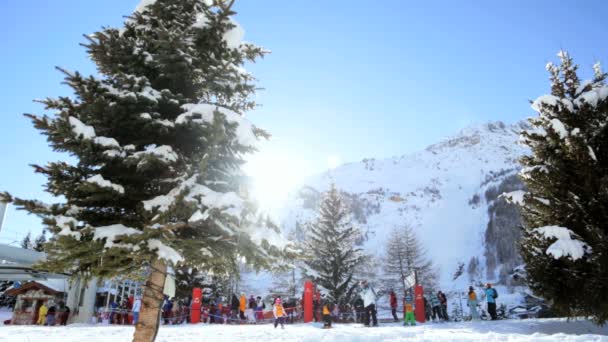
[(32, 286), (16, 264)]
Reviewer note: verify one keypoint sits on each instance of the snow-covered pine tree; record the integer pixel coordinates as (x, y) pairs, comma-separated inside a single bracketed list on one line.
[(404, 255), (159, 138), (39, 242), (187, 278), (565, 244), (332, 256), (26, 243)]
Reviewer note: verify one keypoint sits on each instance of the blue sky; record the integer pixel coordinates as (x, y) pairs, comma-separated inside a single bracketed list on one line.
[(346, 79)]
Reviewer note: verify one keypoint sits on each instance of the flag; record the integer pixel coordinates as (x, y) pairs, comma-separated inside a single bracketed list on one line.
[(409, 280)]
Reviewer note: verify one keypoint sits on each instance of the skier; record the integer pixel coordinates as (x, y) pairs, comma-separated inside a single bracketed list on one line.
[(491, 296), (428, 310), (242, 306), (408, 308), (279, 313), (252, 302), (259, 309), (359, 309), (436, 305), (444, 305), (42, 314), (473, 304), (326, 310), (393, 301), (369, 301), (50, 316), (136, 309), (234, 307)]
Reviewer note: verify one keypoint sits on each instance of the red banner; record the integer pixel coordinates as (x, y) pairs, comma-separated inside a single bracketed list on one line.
[(195, 311), (419, 297), (308, 302)]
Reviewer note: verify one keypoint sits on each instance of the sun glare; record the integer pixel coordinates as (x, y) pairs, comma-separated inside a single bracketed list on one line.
[(274, 175)]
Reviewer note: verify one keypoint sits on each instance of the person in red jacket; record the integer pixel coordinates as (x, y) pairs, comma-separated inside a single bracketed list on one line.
[(393, 300)]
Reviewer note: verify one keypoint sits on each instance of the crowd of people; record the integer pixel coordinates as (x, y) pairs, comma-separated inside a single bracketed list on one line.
[(253, 309), (53, 314)]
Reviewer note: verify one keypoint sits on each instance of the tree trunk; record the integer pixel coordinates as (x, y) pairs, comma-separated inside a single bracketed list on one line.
[(147, 326)]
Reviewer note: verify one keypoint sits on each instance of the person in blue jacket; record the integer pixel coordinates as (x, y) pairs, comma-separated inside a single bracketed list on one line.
[(491, 296)]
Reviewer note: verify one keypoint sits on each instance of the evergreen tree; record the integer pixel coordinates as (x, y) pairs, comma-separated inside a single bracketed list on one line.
[(39, 242), (565, 210), (332, 255), (404, 256), (26, 243), (158, 138)]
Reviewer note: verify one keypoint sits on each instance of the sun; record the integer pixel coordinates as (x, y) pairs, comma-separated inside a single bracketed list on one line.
[(274, 174)]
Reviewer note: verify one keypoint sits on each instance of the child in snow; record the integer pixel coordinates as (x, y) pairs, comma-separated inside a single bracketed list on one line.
[(279, 313), (473, 304), (326, 311), (408, 308)]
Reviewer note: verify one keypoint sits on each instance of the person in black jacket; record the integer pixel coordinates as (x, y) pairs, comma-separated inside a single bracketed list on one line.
[(359, 310), (234, 307), (444, 305)]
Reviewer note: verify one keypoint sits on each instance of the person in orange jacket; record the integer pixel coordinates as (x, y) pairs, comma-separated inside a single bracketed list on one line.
[(242, 306), (279, 313)]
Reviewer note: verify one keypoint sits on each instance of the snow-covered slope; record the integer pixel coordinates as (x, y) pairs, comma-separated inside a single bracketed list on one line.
[(444, 192)]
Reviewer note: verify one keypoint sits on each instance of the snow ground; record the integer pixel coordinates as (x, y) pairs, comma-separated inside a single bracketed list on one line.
[(508, 330)]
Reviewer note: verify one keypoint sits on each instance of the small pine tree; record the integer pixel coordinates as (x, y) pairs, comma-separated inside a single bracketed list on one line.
[(565, 244), (404, 255), (459, 271), (39, 242), (159, 138), (26, 243), (332, 255)]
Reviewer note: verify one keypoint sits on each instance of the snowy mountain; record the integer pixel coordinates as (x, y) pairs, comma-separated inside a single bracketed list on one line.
[(448, 193)]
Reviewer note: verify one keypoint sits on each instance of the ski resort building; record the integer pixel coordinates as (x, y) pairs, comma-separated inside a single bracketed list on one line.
[(89, 301)]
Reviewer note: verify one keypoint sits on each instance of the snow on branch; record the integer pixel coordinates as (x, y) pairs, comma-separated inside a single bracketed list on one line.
[(565, 245), (112, 232), (164, 152), (204, 113), (66, 223), (88, 133), (165, 252), (80, 129), (101, 182), (514, 197), (229, 202)]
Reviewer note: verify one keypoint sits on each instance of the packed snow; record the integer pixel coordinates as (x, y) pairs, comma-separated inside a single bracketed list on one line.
[(511, 330), (565, 246)]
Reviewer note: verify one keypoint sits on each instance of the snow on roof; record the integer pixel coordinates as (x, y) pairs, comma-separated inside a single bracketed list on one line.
[(565, 246), (100, 181)]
